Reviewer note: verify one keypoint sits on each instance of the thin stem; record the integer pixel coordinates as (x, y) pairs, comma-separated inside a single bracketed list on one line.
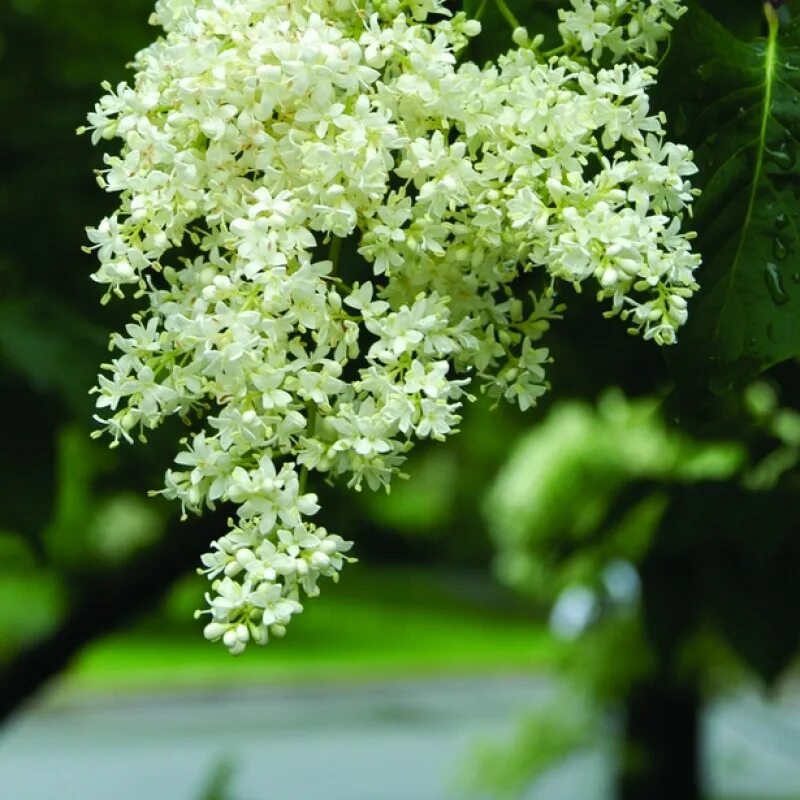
[(556, 51), (665, 53), (334, 252), (311, 416), (507, 14)]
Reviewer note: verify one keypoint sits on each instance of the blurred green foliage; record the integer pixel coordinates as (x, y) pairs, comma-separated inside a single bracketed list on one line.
[(61, 493), (653, 548), (547, 735), (556, 490), (383, 622), (31, 597)]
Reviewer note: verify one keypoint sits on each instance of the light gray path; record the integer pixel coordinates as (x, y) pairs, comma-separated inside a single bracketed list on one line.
[(394, 741)]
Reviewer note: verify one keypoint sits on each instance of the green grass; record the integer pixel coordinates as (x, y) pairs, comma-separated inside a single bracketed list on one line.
[(376, 624)]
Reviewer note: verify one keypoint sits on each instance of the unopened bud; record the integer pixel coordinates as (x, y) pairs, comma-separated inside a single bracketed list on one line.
[(520, 37), (214, 630)]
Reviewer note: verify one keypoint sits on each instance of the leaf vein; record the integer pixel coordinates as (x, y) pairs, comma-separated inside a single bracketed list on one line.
[(768, 85)]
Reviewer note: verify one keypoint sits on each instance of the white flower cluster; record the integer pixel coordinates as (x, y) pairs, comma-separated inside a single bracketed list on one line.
[(622, 27), (336, 226)]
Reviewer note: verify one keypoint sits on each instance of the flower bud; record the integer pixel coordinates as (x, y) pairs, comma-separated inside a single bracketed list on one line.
[(520, 37), (214, 630)]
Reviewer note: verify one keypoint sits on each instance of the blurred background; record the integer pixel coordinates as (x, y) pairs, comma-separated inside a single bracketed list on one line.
[(594, 600)]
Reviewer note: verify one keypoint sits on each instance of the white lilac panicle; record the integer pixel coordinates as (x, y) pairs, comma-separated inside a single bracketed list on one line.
[(257, 136)]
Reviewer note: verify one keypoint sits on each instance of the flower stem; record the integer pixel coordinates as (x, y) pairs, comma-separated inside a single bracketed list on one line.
[(556, 51), (507, 14), (334, 252), (311, 425)]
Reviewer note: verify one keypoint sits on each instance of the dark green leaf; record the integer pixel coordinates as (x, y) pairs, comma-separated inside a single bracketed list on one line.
[(736, 101)]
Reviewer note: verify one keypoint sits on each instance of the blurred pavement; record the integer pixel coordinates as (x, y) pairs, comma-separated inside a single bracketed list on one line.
[(377, 741)]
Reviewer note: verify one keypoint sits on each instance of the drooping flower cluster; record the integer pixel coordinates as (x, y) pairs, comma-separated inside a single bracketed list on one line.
[(336, 226)]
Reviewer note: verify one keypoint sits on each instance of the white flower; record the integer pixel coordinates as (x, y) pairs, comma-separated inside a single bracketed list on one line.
[(256, 135), (623, 27)]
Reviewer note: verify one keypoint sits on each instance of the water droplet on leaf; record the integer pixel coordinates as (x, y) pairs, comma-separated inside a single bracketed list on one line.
[(779, 249), (784, 156), (704, 71), (774, 281), (790, 151), (781, 221)]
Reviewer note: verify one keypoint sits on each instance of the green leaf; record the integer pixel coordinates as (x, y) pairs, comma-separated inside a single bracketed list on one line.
[(736, 102)]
